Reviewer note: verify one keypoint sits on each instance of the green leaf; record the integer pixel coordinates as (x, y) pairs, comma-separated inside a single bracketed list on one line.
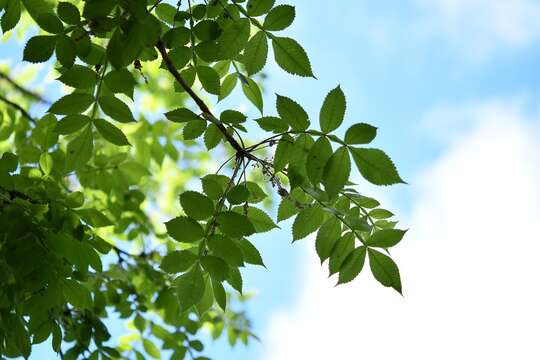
[(39, 48), (352, 265), (77, 294), (111, 133), (375, 166), (120, 81), (234, 225), (228, 85), (184, 229), (327, 236), (216, 267), (280, 18), (384, 269), (79, 77), (151, 348), (181, 115), (68, 13), (196, 205), (360, 134), (332, 111), (259, 7), (70, 124), (260, 220), (232, 117), (194, 129), (116, 109), (66, 51), (256, 53), (291, 57), (219, 294), (233, 39), (79, 150), (281, 156), (317, 159), (341, 250), (94, 217), (50, 23), (380, 214), (75, 103), (250, 252), (386, 238), (286, 209), (238, 194), (307, 221), (235, 279), (273, 124), (11, 16), (209, 79), (178, 261), (253, 93), (212, 136), (226, 249), (292, 113), (336, 172), (46, 163), (190, 287)]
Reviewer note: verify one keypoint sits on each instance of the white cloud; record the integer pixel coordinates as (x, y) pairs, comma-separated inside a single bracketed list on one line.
[(481, 26), (469, 263)]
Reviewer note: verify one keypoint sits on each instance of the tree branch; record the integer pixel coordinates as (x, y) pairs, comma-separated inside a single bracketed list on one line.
[(200, 103), (22, 90), (18, 107)]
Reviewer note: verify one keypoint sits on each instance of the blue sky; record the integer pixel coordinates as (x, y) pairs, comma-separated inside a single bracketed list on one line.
[(453, 86)]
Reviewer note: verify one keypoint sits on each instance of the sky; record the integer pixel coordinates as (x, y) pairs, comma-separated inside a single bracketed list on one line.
[(453, 86)]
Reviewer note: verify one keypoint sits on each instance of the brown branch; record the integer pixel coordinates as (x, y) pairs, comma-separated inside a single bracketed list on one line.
[(200, 103), (18, 107), (22, 90)]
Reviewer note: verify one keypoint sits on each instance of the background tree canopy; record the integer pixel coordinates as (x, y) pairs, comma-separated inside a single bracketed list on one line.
[(107, 201)]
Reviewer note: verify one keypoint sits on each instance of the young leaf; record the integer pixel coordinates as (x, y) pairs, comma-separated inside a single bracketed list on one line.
[(196, 205), (178, 261), (327, 236), (256, 53), (336, 172), (280, 18), (111, 133), (291, 112), (384, 269), (352, 265), (116, 109), (375, 166), (39, 48), (46, 163), (79, 150), (184, 229), (151, 348), (360, 134), (386, 238), (317, 159), (75, 103), (291, 57), (332, 111), (307, 221), (190, 288)]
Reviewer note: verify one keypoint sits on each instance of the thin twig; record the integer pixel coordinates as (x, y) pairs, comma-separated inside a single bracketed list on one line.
[(23, 90), (18, 107)]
